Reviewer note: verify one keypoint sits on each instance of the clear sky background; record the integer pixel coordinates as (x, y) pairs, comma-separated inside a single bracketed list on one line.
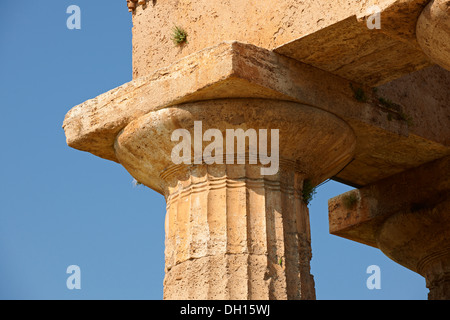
[(60, 206)]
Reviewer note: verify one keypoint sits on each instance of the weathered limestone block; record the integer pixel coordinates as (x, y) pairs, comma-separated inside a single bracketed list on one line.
[(209, 22), (236, 70), (330, 35)]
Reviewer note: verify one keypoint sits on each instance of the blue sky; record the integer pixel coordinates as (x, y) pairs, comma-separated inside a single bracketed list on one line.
[(61, 207)]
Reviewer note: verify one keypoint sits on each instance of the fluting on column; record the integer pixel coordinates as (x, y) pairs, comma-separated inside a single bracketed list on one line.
[(235, 234)]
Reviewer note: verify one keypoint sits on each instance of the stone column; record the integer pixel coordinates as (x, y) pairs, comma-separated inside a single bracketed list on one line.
[(407, 217), (232, 232), (419, 239)]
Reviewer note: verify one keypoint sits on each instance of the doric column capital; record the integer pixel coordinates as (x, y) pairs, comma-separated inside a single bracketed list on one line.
[(149, 147)]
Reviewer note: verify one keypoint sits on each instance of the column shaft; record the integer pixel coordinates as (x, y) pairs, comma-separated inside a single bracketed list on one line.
[(234, 234)]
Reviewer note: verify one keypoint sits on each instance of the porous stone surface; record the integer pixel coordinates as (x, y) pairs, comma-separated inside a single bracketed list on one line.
[(433, 32), (208, 22), (425, 96), (331, 35)]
